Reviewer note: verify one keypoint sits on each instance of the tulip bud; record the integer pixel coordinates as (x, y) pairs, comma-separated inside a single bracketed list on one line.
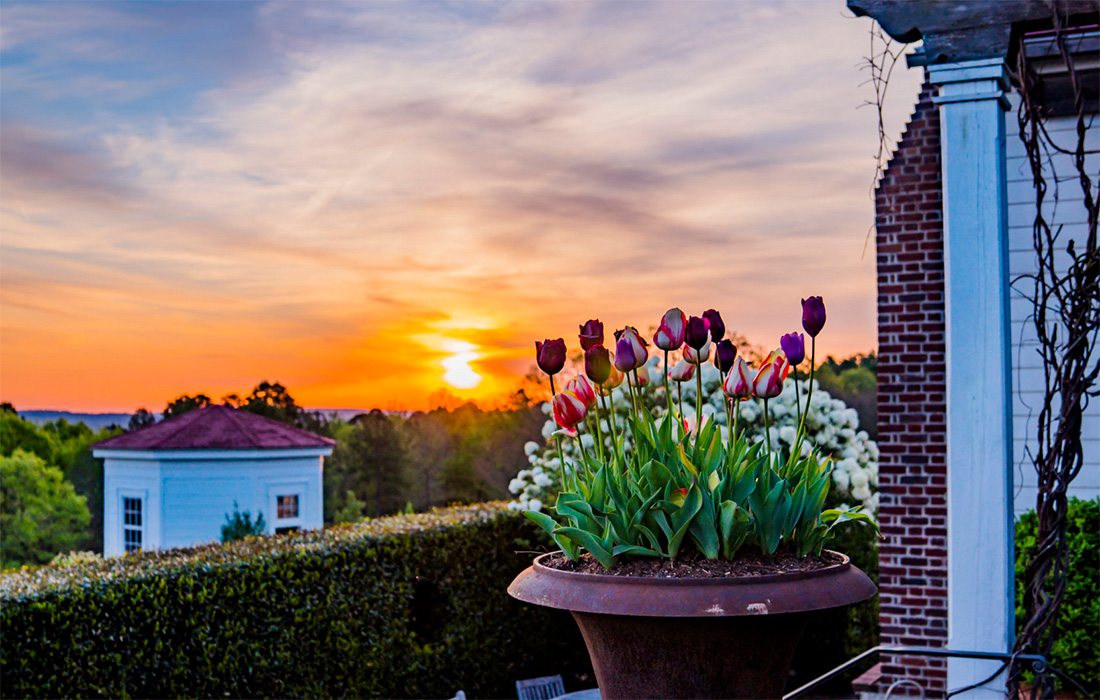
[(794, 347), (583, 388), (682, 371), (597, 364), (641, 376), (724, 355), (717, 327), (637, 346), (569, 410), (591, 334), (550, 355), (698, 356), (624, 355), (697, 333), (769, 380), (738, 383), (813, 315), (670, 334)]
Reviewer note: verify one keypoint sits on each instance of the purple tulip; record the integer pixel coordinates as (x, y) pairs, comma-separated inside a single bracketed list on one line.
[(813, 315), (717, 327), (724, 355), (698, 332), (794, 347), (625, 359), (597, 364), (591, 334), (550, 355)]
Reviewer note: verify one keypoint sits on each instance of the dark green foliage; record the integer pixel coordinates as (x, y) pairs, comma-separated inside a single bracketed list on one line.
[(1077, 640), (182, 404), (240, 525), (370, 460), (66, 446), (40, 512), (406, 606), (854, 381), (140, 419)]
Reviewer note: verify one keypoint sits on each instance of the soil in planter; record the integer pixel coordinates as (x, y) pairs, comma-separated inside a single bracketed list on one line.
[(697, 566)]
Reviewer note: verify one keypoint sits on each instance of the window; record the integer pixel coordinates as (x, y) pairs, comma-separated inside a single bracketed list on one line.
[(131, 524), (286, 507)]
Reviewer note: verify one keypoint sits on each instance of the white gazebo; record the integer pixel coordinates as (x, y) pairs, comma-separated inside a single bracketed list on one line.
[(172, 484)]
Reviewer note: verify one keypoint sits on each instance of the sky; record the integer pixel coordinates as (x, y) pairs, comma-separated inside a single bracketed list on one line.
[(371, 202)]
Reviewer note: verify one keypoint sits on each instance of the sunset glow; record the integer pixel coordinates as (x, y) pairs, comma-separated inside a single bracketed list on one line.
[(374, 202)]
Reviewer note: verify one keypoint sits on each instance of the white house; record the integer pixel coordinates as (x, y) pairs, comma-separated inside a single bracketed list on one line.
[(173, 483), (959, 377)]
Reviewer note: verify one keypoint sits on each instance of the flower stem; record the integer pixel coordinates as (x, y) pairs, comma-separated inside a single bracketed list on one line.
[(810, 391), (561, 454), (611, 422), (767, 432), (668, 392), (698, 400), (599, 432)]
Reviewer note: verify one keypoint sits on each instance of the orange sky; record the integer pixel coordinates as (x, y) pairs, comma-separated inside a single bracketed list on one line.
[(368, 201)]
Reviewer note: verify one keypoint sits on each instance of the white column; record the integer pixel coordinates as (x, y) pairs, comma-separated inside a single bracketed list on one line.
[(979, 390)]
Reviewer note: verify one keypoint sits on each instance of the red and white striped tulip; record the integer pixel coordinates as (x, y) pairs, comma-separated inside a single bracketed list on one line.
[(682, 371), (569, 410), (641, 376), (670, 334), (584, 390), (769, 380), (738, 382), (699, 356)]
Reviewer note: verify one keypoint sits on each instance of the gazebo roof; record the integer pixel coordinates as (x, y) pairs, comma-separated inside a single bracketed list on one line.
[(216, 428)]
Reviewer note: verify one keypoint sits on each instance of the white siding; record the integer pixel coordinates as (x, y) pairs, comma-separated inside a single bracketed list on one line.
[(187, 494), (1069, 212)]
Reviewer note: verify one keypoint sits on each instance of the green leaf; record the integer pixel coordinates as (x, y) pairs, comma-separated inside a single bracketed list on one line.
[(591, 543)]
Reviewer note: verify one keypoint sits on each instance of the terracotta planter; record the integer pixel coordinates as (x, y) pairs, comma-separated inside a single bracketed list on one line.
[(692, 638)]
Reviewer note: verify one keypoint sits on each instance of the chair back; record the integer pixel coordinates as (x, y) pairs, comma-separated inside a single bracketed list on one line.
[(543, 688)]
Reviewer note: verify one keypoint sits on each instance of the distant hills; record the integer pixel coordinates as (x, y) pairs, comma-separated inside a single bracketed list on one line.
[(96, 421)]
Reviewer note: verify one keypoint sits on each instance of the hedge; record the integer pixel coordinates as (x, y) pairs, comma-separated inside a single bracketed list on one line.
[(405, 606), (1076, 648)]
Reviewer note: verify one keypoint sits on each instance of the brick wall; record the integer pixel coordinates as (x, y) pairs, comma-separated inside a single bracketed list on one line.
[(911, 403)]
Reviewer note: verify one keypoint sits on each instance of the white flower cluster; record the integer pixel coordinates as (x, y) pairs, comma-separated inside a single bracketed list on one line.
[(831, 424)]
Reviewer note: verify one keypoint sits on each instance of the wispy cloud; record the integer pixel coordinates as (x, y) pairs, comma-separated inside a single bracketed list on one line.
[(339, 174)]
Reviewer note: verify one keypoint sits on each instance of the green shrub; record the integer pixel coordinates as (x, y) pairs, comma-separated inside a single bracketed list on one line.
[(404, 606), (1077, 639), (241, 525)]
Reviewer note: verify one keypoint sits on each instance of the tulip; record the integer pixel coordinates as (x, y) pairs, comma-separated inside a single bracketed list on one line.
[(637, 346), (724, 355), (550, 355), (584, 390), (682, 371), (697, 356), (717, 327), (670, 334), (625, 359), (738, 383), (769, 379), (794, 347), (569, 411), (614, 379), (813, 315), (597, 364), (697, 333), (591, 334), (641, 376)]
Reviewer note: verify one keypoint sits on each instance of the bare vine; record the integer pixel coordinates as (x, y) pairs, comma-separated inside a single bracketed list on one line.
[(882, 56), (1065, 302)]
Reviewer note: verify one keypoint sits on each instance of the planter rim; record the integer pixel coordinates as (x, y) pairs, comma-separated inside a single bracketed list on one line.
[(694, 580), (833, 586)]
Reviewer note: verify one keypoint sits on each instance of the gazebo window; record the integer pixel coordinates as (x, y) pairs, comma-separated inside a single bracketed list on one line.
[(286, 507), (131, 524)]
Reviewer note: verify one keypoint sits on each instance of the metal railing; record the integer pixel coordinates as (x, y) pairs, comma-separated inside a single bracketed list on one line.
[(1039, 665)]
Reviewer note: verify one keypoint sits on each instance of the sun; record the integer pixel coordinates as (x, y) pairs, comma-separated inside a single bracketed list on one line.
[(459, 373)]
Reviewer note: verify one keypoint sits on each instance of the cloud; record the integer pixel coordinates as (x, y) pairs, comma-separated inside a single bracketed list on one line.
[(335, 168)]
